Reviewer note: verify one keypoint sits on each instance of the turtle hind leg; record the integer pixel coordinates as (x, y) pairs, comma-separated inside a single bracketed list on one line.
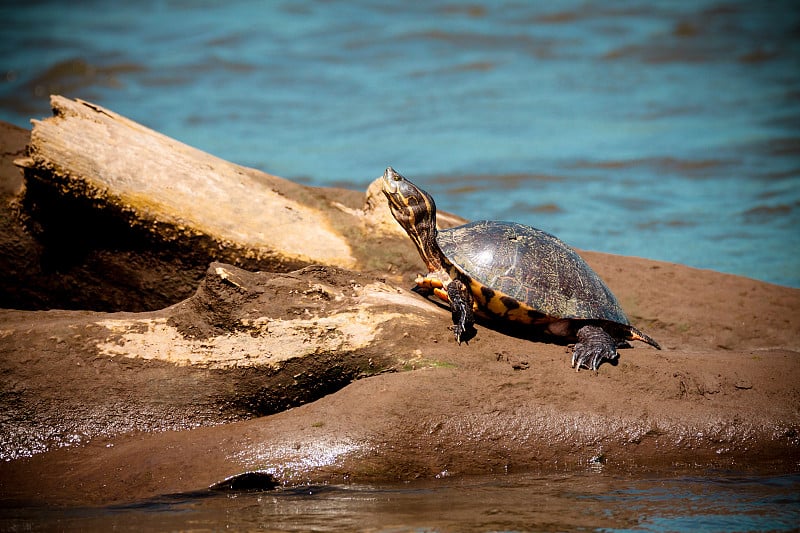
[(461, 308), (594, 346)]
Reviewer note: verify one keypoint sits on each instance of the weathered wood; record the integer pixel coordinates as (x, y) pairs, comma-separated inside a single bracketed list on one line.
[(115, 216), (177, 192)]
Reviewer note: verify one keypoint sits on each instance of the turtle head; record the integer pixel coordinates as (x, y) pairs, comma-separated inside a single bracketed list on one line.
[(412, 207), (415, 210)]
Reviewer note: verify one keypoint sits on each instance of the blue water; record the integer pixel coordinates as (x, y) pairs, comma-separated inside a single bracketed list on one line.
[(668, 130), (588, 501)]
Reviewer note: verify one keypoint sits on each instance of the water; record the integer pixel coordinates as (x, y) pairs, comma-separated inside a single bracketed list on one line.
[(668, 130), (588, 501)]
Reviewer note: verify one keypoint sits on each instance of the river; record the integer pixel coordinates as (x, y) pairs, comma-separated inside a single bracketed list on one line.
[(661, 129), (577, 501)]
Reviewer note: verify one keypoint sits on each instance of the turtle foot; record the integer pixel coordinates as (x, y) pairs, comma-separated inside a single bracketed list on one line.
[(593, 347), (463, 332), (461, 307)]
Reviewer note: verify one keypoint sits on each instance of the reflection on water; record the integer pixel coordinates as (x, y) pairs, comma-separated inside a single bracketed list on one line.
[(668, 130), (590, 501)]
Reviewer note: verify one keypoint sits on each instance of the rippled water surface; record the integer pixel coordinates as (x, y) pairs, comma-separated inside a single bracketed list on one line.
[(669, 130), (589, 501)]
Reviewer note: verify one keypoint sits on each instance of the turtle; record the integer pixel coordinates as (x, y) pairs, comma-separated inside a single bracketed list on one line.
[(512, 273)]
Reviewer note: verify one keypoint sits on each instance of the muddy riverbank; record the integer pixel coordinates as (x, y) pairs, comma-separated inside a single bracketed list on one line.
[(722, 393)]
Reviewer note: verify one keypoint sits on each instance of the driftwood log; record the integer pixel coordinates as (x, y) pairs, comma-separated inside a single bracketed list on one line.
[(125, 218), (176, 193), (250, 354)]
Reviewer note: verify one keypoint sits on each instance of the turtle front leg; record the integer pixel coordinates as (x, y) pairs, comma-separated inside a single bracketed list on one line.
[(461, 308), (593, 347)]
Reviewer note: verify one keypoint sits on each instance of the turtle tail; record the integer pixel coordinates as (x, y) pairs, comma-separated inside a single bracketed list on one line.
[(636, 335)]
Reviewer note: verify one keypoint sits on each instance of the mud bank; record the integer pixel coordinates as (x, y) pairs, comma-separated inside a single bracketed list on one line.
[(111, 407)]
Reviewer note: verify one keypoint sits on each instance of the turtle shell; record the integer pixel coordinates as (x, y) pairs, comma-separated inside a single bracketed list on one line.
[(532, 267)]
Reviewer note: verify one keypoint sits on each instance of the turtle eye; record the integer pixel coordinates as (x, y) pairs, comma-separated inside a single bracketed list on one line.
[(392, 174)]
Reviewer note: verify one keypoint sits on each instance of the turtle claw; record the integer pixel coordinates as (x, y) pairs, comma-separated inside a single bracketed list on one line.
[(463, 332), (593, 347)]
